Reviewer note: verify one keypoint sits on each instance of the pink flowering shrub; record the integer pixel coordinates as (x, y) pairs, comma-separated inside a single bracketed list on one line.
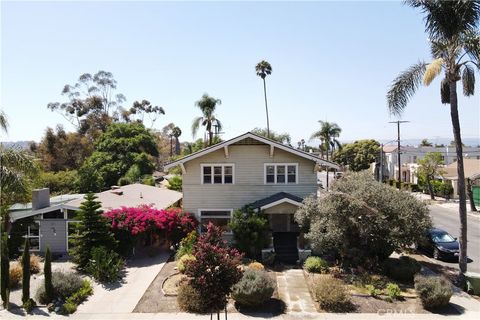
[(173, 222), (215, 270)]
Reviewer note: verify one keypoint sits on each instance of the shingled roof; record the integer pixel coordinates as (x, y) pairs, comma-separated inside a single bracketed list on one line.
[(276, 198)]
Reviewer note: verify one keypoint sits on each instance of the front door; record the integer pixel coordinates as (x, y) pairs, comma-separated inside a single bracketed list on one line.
[(285, 245)]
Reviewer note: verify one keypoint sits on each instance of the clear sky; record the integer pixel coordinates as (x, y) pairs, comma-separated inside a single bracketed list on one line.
[(331, 61)]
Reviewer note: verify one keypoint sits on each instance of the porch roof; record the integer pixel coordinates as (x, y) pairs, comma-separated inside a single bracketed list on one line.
[(276, 199)]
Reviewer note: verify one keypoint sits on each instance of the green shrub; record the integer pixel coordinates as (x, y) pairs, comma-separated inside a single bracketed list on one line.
[(250, 231), (393, 291), (68, 308), (47, 270), (175, 183), (106, 265), (189, 299), (123, 181), (64, 285), (332, 295), (374, 292), (29, 304), (70, 305), (26, 273), (148, 180), (316, 265), (181, 262), (402, 269), (254, 289), (186, 245), (434, 292)]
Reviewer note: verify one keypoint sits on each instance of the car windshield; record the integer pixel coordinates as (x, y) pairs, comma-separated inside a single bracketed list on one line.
[(442, 237)]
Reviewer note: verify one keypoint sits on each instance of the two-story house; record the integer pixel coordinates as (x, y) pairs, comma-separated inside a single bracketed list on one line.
[(250, 170)]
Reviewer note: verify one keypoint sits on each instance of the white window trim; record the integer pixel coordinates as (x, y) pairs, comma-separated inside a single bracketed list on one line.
[(223, 165), (275, 171), (34, 237), (219, 216), (67, 222)]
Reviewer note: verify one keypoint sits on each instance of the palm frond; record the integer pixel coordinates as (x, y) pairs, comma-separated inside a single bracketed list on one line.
[(471, 44), (438, 48), (16, 167), (404, 87), (3, 121), (196, 125), (432, 70), (445, 91), (219, 125), (468, 80)]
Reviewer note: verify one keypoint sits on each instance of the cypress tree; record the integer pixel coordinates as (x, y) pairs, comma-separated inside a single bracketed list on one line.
[(93, 231), (5, 271), (47, 269), (26, 272)]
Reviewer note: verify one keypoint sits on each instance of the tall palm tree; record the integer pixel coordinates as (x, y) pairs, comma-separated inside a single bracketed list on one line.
[(207, 105), (264, 69), (328, 134), (452, 27), (3, 121), (177, 132)]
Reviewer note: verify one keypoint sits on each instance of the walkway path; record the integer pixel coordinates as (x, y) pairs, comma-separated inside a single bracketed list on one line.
[(293, 290), (124, 297)]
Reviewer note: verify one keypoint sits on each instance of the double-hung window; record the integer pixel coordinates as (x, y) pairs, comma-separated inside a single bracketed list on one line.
[(281, 173), (33, 236), (219, 217), (217, 173)]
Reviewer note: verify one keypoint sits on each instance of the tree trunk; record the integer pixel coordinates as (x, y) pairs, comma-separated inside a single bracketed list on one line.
[(470, 195), (210, 137), (327, 171), (430, 188), (266, 107), (462, 207)]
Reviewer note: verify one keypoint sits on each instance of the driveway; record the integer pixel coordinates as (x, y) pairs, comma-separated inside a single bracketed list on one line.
[(445, 216), (123, 297)]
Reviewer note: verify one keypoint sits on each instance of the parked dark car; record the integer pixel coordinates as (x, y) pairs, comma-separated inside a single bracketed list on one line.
[(440, 244)]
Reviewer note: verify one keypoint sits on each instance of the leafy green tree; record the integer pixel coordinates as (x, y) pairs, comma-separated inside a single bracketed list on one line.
[(208, 119), (426, 143), (250, 231), (61, 182), (60, 151), (5, 271), (362, 220), (264, 69), (26, 272), (47, 269), (117, 150), (283, 138), (452, 28), (141, 108), (93, 231), (429, 167), (358, 155), (175, 183)]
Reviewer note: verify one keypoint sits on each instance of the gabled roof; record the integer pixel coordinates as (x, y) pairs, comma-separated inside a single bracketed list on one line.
[(264, 140), (276, 199), (471, 168)]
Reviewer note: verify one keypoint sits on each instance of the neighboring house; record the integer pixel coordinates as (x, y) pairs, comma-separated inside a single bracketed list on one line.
[(250, 170), (471, 168), (411, 155), (54, 218)]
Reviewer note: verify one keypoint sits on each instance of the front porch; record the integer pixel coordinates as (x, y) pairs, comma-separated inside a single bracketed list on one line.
[(287, 241)]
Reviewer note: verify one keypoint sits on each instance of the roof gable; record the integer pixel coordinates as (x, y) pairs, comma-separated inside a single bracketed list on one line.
[(249, 136)]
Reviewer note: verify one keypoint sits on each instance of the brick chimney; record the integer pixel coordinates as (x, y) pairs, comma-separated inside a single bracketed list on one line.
[(40, 198)]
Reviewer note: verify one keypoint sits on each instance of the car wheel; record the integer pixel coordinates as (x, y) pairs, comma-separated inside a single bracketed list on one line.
[(436, 254)]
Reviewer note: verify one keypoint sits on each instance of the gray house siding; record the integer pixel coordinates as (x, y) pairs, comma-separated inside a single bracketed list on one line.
[(53, 233), (249, 184)]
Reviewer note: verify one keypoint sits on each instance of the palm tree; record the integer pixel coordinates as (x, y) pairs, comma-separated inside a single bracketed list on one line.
[(177, 132), (263, 69), (207, 105), (452, 27), (3, 121), (328, 134)]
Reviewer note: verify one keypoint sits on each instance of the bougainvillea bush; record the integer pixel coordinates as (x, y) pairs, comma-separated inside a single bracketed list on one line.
[(215, 270), (173, 223)]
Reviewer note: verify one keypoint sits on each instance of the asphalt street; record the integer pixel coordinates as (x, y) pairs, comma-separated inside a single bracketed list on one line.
[(447, 219)]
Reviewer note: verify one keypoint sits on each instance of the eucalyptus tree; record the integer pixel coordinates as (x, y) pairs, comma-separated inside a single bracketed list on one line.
[(3, 121), (264, 69), (208, 119), (452, 27)]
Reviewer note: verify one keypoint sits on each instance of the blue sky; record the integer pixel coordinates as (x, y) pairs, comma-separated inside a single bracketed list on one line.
[(331, 61)]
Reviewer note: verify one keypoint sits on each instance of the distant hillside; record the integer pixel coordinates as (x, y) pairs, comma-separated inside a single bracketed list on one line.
[(16, 144)]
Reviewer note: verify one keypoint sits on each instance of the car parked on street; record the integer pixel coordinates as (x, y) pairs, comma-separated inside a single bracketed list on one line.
[(440, 244)]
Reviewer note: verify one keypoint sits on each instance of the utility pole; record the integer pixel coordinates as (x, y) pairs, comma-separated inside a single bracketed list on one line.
[(380, 174), (398, 148)]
